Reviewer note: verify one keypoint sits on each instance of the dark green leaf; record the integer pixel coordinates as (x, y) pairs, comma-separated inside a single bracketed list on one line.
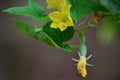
[(80, 8), (53, 37), (32, 10), (112, 5), (33, 32), (59, 37)]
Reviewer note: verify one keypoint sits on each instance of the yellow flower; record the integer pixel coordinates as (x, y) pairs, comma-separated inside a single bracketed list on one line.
[(81, 66), (57, 4), (61, 19), (96, 18)]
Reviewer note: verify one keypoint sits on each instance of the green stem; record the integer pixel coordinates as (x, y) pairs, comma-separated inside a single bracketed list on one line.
[(84, 28), (75, 46), (81, 34), (82, 47), (88, 27)]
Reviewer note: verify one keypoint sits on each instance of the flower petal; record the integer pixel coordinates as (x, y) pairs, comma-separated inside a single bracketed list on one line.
[(61, 19), (69, 21), (81, 66), (57, 4), (55, 16), (62, 26), (66, 9), (54, 25)]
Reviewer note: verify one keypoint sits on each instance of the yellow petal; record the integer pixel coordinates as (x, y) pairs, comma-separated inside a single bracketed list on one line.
[(81, 66), (66, 9), (96, 18), (69, 21), (54, 25), (55, 16), (61, 19), (62, 26), (57, 4)]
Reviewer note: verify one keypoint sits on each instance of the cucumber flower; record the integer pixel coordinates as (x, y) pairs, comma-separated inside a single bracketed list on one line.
[(61, 19), (57, 4), (81, 65), (96, 18)]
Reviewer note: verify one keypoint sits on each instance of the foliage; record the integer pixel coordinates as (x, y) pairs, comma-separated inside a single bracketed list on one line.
[(53, 36), (61, 23), (32, 10), (112, 5), (80, 8)]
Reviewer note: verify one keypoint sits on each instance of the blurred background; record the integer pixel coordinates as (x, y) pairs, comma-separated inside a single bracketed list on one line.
[(23, 58)]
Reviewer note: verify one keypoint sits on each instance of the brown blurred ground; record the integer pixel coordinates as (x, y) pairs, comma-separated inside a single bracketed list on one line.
[(23, 58)]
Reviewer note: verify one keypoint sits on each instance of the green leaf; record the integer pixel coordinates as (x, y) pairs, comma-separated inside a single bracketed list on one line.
[(109, 29), (53, 37), (80, 8), (112, 5), (58, 36), (32, 10)]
